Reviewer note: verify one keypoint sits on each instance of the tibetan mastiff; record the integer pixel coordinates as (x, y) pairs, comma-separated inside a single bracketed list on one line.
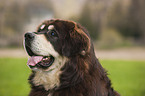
[(63, 62)]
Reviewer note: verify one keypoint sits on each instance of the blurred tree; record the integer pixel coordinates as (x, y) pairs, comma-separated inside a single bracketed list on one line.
[(100, 17), (93, 17), (87, 22), (137, 19), (15, 15), (118, 19), (129, 22)]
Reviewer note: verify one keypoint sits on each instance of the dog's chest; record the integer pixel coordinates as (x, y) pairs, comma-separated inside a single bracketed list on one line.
[(47, 80)]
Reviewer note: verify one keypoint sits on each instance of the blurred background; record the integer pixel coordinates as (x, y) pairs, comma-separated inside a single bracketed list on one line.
[(117, 28), (111, 23)]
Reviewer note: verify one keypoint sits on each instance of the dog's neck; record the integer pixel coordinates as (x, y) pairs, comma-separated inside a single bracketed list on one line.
[(47, 80)]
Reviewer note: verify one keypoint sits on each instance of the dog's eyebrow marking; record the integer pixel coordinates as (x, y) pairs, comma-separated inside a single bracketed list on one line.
[(42, 26), (50, 27)]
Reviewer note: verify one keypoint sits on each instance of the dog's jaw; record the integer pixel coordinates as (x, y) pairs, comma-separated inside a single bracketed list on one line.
[(49, 79)]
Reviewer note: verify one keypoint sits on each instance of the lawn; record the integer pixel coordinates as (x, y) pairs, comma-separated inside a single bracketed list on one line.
[(128, 77), (13, 77)]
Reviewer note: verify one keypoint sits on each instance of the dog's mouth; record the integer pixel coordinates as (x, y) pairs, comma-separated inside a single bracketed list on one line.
[(38, 61)]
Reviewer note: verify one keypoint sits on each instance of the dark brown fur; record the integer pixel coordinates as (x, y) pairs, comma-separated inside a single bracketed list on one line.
[(82, 74)]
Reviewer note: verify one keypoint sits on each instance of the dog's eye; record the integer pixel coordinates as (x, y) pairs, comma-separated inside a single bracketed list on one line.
[(52, 33)]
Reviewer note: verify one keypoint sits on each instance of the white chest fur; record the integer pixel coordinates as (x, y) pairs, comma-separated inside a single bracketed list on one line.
[(47, 80)]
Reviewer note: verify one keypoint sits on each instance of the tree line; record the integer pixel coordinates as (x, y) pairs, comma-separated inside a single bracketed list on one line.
[(112, 19)]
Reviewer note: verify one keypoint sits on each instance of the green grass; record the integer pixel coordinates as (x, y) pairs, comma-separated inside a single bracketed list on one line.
[(128, 77), (13, 77)]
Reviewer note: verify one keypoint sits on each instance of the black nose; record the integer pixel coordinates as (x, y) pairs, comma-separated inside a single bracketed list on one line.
[(29, 35)]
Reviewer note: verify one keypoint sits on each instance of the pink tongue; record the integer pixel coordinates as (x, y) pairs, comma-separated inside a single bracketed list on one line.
[(34, 60)]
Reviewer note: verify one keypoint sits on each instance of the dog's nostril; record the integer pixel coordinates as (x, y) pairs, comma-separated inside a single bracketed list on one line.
[(29, 35)]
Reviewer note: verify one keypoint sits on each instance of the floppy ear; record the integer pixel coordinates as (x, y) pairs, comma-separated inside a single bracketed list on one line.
[(71, 44), (69, 24), (67, 43), (66, 49), (75, 42)]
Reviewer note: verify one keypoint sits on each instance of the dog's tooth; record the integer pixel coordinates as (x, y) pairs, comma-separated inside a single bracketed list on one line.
[(46, 58)]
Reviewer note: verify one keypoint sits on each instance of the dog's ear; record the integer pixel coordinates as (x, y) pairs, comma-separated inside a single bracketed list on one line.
[(69, 24), (66, 49), (67, 43), (75, 44), (76, 41), (71, 45)]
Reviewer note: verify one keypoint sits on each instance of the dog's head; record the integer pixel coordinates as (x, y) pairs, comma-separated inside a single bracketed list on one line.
[(53, 41)]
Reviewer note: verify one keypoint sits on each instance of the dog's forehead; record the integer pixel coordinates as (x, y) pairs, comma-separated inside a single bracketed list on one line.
[(62, 26)]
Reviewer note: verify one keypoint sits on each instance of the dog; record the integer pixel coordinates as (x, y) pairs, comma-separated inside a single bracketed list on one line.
[(63, 61)]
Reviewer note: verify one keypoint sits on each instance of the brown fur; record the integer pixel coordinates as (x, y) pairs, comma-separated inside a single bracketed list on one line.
[(82, 74)]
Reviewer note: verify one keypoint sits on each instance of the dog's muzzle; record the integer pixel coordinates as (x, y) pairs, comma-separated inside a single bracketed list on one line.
[(35, 60)]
